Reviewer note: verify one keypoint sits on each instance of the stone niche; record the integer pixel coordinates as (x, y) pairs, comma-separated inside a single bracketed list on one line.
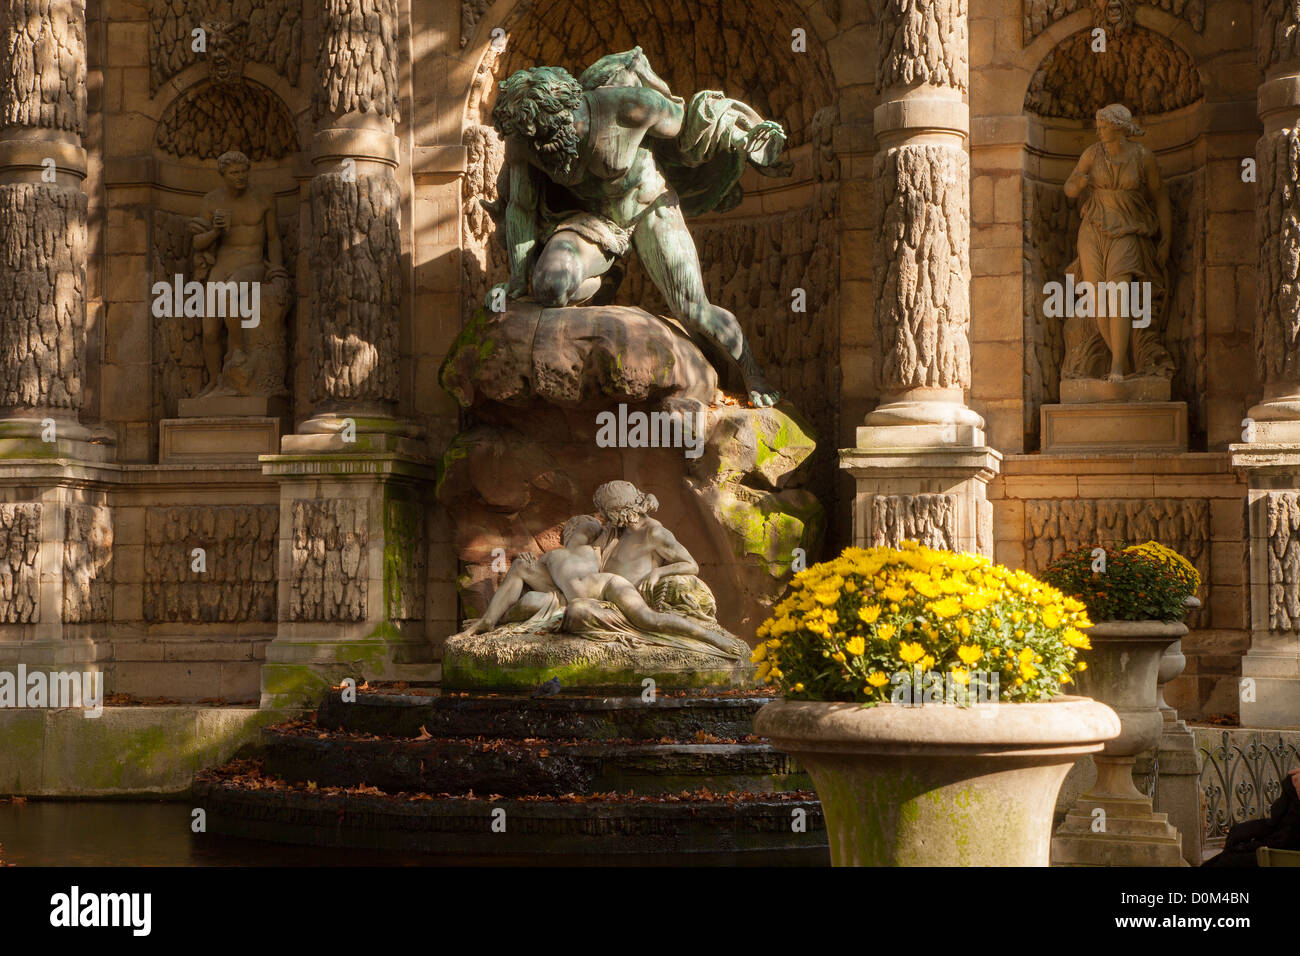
[(534, 383)]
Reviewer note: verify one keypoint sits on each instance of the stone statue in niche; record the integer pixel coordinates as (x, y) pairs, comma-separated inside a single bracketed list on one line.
[(612, 161), (620, 596), (1116, 289), (238, 259)]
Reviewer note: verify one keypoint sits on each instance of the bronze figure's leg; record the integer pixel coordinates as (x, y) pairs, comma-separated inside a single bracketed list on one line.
[(667, 251), (569, 269)]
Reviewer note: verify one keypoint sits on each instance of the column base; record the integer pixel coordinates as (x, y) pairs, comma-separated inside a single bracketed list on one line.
[(355, 433), (1272, 700), (44, 437), (937, 496)]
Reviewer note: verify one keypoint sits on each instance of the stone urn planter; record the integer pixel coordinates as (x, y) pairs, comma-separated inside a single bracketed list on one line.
[(1112, 824), (938, 785)]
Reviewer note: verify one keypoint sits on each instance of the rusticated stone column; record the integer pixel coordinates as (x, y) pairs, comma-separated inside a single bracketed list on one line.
[(354, 479), (1270, 449), (355, 257), (921, 452), (56, 523), (42, 228)]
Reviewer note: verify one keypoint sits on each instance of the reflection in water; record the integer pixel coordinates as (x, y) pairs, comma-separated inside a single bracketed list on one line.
[(132, 833), (113, 833)]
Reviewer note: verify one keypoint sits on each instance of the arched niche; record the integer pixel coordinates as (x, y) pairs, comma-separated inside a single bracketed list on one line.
[(1141, 68), (786, 233), (195, 120)]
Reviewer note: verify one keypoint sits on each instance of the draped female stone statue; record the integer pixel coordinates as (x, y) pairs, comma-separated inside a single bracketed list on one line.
[(1123, 250)]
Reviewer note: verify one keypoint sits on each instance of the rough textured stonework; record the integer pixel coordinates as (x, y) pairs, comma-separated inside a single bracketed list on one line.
[(1051, 225), (471, 11), (405, 561), (692, 44), (1279, 32), (356, 287), (178, 369), (42, 295), (87, 564), (1040, 14), (273, 35), (922, 267), (1054, 526), (240, 545), (356, 67), (923, 41), (1283, 510), (928, 519), (1277, 231), (43, 64), (1141, 69), (208, 120), (482, 259), (329, 560), (20, 536)]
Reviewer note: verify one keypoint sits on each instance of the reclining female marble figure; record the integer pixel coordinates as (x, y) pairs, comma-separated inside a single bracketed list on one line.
[(612, 161), (593, 600)]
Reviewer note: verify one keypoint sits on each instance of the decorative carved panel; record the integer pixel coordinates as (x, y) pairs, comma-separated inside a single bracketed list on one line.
[(240, 544), (329, 560), (20, 537)]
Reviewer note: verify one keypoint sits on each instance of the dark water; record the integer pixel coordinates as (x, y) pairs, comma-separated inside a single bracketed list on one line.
[(133, 833), (99, 833)]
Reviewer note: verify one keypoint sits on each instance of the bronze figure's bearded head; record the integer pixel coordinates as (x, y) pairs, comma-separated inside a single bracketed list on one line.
[(227, 42), (538, 105), (1113, 16)]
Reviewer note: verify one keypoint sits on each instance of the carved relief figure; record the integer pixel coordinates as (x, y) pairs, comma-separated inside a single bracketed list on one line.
[(236, 243), (1114, 16), (628, 579), (227, 42), (1124, 238), (612, 161)]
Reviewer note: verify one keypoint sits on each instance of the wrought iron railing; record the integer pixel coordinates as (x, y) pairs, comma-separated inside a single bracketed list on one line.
[(1242, 773)]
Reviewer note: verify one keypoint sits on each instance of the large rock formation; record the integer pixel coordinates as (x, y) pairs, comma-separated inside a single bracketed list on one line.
[(555, 398)]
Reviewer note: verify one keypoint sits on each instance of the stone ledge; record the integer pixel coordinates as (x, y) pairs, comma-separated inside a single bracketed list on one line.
[(125, 751)]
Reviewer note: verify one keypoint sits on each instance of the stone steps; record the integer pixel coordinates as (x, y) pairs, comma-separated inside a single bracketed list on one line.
[(736, 832), (570, 779), (559, 717), (515, 768)]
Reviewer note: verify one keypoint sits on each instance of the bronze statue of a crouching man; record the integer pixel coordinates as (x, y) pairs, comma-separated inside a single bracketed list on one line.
[(612, 160)]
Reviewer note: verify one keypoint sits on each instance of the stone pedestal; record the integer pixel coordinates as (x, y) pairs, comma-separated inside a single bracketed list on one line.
[(217, 439), (1133, 834), (352, 576), (1114, 427), (1270, 686), (1114, 823), (934, 495)]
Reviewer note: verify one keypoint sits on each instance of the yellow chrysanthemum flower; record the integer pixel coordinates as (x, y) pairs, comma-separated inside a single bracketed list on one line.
[(869, 613), (910, 652), (855, 646), (877, 679), (969, 655), (948, 607)]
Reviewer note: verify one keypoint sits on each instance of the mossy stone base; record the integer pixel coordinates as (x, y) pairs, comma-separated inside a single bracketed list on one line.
[(523, 662)]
